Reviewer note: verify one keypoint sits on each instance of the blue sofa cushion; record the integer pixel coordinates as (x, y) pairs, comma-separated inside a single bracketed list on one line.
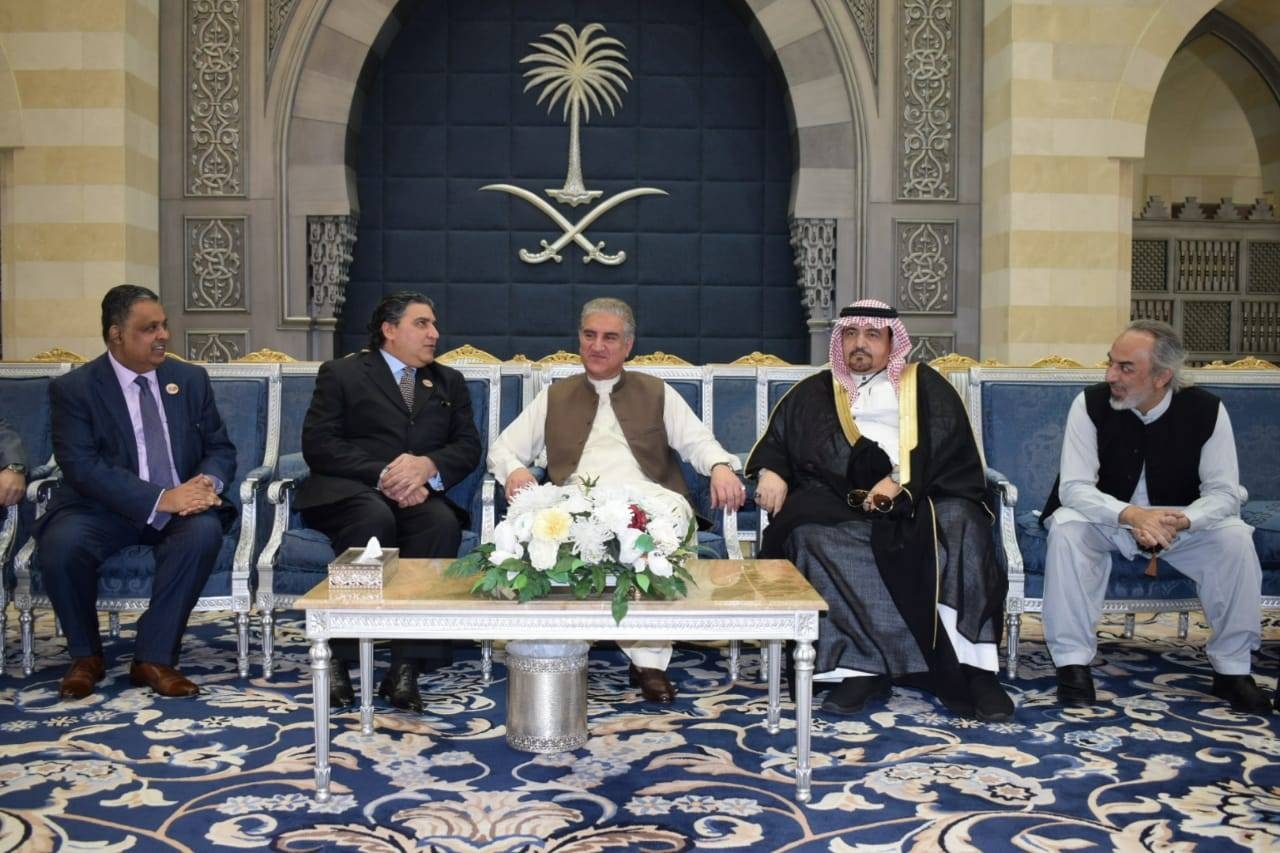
[(1128, 578)]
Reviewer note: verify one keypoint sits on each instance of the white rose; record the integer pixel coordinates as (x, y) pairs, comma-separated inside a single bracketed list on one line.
[(660, 565), (627, 550), (543, 554), (551, 525), (505, 540)]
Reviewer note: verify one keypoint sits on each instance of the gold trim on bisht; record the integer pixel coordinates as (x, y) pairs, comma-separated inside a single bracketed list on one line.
[(560, 357), (467, 354), (659, 359), (844, 411), (58, 354), (1059, 362), (264, 356), (760, 359), (1249, 362), (908, 425)]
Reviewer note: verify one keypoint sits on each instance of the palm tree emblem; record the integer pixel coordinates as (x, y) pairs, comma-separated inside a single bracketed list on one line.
[(583, 70)]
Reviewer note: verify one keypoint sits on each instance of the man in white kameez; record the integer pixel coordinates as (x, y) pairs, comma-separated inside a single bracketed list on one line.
[(1149, 467), (618, 427)]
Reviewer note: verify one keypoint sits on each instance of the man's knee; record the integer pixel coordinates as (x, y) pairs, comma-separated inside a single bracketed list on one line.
[(373, 518), (203, 532), (65, 543)]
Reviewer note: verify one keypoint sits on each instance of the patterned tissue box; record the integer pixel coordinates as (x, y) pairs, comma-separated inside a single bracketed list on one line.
[(346, 573)]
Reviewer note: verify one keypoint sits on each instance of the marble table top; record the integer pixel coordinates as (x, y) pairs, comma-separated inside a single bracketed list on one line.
[(718, 584)]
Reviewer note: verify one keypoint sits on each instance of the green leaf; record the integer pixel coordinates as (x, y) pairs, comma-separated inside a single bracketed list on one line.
[(621, 602), (644, 543), (643, 581), (520, 582)]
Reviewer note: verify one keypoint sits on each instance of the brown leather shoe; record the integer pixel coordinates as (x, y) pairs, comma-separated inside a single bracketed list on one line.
[(80, 678), (164, 680), (653, 683)]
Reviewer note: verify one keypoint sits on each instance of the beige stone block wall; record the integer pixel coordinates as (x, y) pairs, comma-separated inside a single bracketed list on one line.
[(1068, 89), (80, 194)]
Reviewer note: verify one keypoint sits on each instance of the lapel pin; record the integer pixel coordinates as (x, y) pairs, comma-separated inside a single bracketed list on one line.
[(426, 383), (171, 388)]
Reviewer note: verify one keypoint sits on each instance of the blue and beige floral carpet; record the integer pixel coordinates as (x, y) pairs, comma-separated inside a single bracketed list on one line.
[(1158, 765)]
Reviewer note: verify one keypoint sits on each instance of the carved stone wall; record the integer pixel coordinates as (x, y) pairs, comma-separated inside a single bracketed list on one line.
[(330, 240), (928, 347), (926, 266), (814, 244), (215, 98), (866, 15), (927, 98), (214, 251), (220, 345)]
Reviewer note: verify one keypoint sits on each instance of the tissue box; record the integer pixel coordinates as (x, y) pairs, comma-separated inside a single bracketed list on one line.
[(346, 573)]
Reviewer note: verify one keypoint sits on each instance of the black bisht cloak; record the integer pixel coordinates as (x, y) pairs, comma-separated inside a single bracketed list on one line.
[(806, 445)]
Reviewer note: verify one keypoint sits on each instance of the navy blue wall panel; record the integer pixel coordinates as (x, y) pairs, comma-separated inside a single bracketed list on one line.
[(709, 267)]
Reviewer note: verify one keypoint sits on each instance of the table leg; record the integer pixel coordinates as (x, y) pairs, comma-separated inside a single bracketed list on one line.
[(366, 685), (734, 650), (320, 695), (775, 686), (804, 657), (486, 661)]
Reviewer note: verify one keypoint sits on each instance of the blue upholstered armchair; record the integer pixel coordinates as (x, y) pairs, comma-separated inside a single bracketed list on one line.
[(248, 397), (296, 558), (24, 403), (1019, 414)]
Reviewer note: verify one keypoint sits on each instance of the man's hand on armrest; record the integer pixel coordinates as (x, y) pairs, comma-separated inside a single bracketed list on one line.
[(771, 491), (517, 480), (726, 489)]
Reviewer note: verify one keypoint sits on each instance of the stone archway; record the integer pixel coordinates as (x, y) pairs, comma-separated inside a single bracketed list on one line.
[(316, 90)]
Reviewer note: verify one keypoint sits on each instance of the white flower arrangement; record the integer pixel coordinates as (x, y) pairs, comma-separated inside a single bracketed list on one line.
[(582, 537)]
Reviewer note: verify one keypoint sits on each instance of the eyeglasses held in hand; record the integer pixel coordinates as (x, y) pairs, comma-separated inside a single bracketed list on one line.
[(879, 503)]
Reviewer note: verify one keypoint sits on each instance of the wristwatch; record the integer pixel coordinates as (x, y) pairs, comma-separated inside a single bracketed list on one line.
[(17, 468)]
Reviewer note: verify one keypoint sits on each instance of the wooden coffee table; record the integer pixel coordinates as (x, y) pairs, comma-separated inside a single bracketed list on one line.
[(765, 600)]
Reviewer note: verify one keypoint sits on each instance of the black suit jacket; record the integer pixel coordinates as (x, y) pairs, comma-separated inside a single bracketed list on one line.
[(357, 424), (97, 452)]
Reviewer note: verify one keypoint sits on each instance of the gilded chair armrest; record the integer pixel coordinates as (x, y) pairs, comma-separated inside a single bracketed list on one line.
[(7, 532), (729, 524), (1003, 496), (280, 496), (251, 491), (488, 491), (41, 489)]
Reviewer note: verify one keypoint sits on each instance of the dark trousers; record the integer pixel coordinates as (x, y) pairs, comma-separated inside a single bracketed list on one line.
[(75, 542), (430, 529)]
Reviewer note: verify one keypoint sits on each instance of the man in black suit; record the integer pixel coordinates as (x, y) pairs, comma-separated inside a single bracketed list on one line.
[(388, 430), (134, 472)]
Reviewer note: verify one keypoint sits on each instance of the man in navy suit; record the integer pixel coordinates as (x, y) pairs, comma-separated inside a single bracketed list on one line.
[(388, 430), (134, 473)]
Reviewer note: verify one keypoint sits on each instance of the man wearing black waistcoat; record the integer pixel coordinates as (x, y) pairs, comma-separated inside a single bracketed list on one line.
[(1149, 466), (388, 430)]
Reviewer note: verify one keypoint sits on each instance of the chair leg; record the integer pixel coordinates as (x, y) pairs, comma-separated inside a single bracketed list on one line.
[(486, 661), (28, 643), (1013, 627), (764, 661), (4, 626), (1129, 621), (113, 622), (734, 649), (1184, 624), (268, 642), (242, 643)]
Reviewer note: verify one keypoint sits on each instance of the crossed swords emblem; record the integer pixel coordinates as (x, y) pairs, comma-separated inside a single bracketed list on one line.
[(584, 69), (573, 231)]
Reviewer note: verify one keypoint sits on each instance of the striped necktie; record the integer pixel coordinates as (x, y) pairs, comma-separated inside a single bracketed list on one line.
[(159, 464)]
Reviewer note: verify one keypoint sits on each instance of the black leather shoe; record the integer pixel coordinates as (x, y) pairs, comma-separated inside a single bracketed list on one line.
[(850, 695), (400, 687), (653, 683), (1242, 692), (990, 703), (1075, 686), (341, 693)]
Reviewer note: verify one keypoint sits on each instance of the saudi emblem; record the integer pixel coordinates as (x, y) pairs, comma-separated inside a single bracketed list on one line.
[(584, 71)]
